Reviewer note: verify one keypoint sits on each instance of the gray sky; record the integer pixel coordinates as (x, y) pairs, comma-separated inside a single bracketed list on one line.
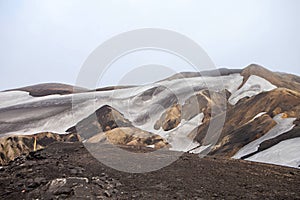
[(48, 40)]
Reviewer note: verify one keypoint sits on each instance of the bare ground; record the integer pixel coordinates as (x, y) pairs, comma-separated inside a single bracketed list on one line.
[(36, 177)]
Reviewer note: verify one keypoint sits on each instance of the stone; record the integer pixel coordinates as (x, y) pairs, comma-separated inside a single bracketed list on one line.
[(106, 193), (39, 180), (63, 190)]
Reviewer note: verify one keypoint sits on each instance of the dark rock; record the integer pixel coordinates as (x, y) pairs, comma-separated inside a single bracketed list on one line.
[(36, 155), (39, 180), (20, 183), (187, 178), (63, 190), (2, 169), (33, 185), (18, 175), (215, 195), (106, 193), (73, 171), (115, 191)]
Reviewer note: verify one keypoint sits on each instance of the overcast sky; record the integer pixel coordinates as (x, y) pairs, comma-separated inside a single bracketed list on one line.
[(48, 40)]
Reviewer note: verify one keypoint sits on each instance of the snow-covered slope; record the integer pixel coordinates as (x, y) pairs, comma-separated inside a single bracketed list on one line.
[(252, 87), (283, 125), (13, 98), (143, 106), (56, 113), (285, 153), (178, 137)]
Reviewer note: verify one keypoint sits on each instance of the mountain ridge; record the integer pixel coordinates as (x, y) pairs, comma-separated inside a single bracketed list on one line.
[(259, 106)]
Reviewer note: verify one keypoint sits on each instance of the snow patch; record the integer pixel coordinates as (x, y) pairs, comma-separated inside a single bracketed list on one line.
[(286, 153), (257, 116), (178, 137), (253, 86), (283, 125), (13, 97), (24, 114)]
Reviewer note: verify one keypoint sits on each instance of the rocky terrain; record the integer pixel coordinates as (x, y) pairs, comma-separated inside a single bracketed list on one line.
[(68, 171), (12, 147), (251, 114), (236, 126)]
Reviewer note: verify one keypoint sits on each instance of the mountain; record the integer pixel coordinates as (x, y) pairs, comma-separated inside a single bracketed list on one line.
[(260, 110), (45, 89), (103, 119), (283, 80), (211, 73), (249, 122), (109, 124)]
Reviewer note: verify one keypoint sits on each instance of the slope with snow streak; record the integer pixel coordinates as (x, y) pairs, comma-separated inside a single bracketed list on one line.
[(13, 97), (283, 125), (21, 113), (178, 137), (55, 113), (286, 153), (252, 87)]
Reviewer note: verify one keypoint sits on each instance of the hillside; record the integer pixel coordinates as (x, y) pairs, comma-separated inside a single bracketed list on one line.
[(68, 171), (197, 135)]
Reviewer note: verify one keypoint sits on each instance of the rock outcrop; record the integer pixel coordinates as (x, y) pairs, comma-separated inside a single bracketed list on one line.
[(109, 125), (13, 146), (103, 119), (130, 136), (241, 128), (201, 102)]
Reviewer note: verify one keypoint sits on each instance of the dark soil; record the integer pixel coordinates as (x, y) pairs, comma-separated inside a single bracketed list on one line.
[(68, 171)]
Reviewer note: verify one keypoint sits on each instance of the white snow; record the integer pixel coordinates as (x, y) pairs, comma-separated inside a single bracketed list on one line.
[(283, 125), (257, 116), (178, 137), (286, 153), (21, 113), (13, 97), (253, 86), (57, 113)]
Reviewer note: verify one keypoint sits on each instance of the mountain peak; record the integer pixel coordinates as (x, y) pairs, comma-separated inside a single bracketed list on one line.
[(254, 69), (288, 81)]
